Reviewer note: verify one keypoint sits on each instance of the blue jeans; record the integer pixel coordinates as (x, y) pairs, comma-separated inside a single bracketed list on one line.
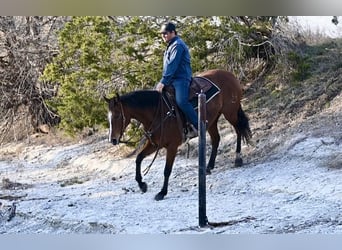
[(182, 99)]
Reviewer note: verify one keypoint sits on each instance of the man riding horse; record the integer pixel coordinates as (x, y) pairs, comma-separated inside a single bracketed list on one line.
[(177, 73)]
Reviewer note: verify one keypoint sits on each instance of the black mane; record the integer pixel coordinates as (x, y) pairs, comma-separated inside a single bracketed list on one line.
[(141, 98)]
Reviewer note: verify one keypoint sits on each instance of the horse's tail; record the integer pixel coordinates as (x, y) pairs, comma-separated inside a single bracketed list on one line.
[(243, 126)]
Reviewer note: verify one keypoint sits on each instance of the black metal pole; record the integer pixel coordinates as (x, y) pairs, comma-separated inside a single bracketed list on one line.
[(202, 117)]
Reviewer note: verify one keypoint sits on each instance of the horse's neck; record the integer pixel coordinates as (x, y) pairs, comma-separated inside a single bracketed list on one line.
[(144, 116), (152, 110)]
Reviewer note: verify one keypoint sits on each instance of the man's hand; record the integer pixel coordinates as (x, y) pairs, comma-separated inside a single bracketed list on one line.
[(159, 87)]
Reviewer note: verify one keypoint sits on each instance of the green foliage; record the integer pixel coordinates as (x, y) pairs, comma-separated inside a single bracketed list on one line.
[(103, 55), (138, 53), (301, 66), (84, 61)]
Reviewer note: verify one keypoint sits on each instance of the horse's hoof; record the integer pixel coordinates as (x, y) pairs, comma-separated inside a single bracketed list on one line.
[(159, 197), (208, 171), (238, 162), (143, 187)]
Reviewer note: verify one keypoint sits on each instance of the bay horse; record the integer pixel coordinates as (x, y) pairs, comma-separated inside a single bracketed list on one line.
[(164, 130)]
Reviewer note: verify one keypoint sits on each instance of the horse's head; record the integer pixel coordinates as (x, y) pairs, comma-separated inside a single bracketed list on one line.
[(116, 119)]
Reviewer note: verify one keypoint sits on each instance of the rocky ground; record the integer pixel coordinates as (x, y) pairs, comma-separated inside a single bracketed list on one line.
[(290, 183), (291, 180)]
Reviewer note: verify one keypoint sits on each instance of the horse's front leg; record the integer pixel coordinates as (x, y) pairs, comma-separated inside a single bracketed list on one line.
[(170, 158), (147, 150), (215, 140)]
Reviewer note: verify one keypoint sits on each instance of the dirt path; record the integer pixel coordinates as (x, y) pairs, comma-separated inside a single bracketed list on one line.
[(291, 183)]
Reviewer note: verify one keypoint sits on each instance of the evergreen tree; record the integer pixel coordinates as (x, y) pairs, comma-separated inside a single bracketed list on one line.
[(103, 55), (84, 62)]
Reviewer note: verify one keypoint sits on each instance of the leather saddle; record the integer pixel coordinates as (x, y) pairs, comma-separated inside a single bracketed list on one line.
[(198, 85)]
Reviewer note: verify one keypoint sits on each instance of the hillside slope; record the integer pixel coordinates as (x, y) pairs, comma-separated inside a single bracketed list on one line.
[(281, 106), (290, 182)]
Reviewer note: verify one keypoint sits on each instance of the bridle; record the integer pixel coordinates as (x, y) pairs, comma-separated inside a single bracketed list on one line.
[(123, 121), (155, 124), (122, 114)]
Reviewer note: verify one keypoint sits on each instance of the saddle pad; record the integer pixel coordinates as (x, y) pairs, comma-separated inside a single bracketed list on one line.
[(201, 84)]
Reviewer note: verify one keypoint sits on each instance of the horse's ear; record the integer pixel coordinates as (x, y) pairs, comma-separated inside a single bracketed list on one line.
[(116, 97), (106, 99)]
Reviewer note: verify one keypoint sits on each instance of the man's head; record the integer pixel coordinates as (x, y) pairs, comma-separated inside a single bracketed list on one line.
[(168, 31)]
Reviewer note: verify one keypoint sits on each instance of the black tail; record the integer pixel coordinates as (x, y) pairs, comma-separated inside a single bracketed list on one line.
[(243, 126)]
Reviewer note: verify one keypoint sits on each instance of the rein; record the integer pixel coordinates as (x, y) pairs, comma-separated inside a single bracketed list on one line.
[(155, 124), (149, 133)]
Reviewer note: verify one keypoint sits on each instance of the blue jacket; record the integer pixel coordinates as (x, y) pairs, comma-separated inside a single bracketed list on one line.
[(176, 63)]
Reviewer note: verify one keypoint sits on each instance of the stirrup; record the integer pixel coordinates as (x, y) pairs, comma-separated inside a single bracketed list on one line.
[(192, 133)]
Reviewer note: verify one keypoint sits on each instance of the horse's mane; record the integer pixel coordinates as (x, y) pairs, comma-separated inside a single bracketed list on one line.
[(141, 99)]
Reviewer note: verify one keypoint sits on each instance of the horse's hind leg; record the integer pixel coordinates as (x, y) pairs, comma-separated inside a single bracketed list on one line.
[(147, 150), (243, 131), (215, 140), (238, 159), (233, 120), (170, 158)]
